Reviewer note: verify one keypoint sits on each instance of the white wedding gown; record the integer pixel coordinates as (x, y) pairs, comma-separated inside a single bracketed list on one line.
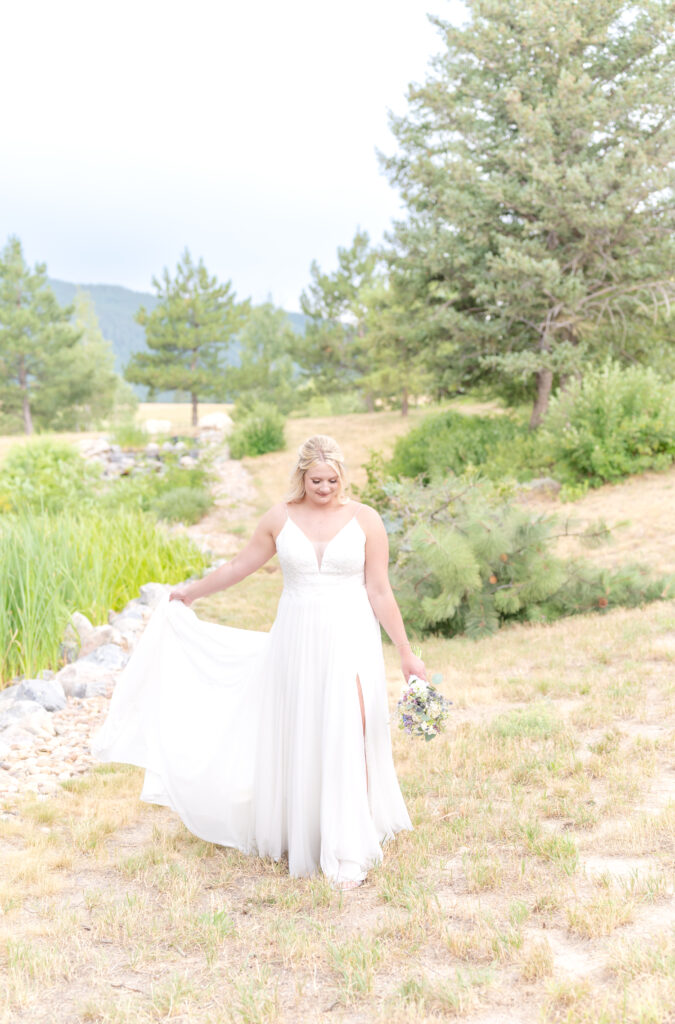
[(256, 739)]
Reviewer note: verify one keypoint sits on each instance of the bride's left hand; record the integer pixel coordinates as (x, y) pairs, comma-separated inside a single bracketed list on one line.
[(412, 666)]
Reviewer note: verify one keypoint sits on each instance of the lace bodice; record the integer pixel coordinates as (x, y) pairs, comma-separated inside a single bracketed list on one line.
[(340, 564)]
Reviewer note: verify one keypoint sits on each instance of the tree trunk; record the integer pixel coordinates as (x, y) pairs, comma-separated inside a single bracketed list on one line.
[(23, 384), (404, 402), (370, 402), (195, 417), (544, 385)]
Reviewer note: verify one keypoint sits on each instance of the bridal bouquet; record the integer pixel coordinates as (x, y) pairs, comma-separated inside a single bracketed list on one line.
[(422, 709)]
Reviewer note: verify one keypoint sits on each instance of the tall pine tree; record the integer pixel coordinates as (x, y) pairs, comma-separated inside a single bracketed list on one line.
[(537, 167), (334, 351), (36, 339), (188, 334)]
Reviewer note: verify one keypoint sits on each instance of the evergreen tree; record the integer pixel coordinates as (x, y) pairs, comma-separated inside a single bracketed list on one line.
[(188, 334), (397, 331), (266, 371), (537, 166), (84, 388), (36, 339), (334, 352)]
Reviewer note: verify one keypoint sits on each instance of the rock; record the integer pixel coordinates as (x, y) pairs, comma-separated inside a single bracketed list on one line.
[(94, 447), (4, 750), (216, 421), (152, 449), (101, 635), (29, 716), (84, 679), (157, 427), (81, 625), (542, 485), (47, 692), (46, 674), (110, 657), (187, 462), (152, 593), (8, 695), (15, 737)]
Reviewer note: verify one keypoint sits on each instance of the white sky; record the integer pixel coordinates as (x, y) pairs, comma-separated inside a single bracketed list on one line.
[(246, 131)]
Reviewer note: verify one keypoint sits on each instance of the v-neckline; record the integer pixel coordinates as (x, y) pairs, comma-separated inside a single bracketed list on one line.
[(312, 544)]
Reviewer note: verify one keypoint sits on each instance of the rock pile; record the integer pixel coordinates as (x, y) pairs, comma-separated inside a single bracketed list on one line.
[(116, 461), (46, 723)]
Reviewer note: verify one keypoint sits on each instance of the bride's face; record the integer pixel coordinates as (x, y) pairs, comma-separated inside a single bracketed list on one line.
[(322, 484)]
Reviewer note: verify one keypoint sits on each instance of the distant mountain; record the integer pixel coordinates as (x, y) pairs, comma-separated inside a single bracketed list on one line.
[(116, 307)]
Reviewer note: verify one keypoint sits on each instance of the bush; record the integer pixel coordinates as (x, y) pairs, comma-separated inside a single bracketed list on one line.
[(260, 430), (614, 422), (181, 505), (46, 475), (53, 565), (453, 443), (465, 559)]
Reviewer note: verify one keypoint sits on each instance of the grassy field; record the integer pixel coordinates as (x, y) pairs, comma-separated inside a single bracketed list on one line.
[(538, 885)]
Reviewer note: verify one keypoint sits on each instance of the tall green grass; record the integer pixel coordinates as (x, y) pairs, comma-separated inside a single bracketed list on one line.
[(87, 561)]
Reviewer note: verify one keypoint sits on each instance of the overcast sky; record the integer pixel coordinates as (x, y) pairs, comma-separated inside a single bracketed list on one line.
[(246, 131)]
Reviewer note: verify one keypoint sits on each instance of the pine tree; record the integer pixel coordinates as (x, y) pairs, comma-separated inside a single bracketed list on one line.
[(334, 352), (36, 338), (397, 330), (188, 334), (266, 370), (84, 389), (537, 167)]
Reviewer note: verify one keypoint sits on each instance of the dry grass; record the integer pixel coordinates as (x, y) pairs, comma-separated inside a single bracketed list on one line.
[(538, 883)]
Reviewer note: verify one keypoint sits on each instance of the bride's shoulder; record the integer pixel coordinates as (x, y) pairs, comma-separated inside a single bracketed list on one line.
[(275, 517), (368, 517)]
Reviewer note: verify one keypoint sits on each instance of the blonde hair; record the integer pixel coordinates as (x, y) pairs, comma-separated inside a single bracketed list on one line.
[(319, 448)]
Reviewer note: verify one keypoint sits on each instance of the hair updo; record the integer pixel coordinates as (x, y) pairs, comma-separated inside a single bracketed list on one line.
[(319, 448)]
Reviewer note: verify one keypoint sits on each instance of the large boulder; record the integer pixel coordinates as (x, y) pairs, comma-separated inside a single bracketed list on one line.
[(157, 427), (216, 421), (8, 695), (29, 716), (48, 693), (110, 657), (101, 635), (152, 593), (86, 680)]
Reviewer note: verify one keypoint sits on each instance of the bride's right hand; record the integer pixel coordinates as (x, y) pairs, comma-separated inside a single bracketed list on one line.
[(180, 593)]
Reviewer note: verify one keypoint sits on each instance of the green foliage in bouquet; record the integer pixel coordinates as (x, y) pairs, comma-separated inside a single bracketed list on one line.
[(467, 559), (258, 429), (613, 422)]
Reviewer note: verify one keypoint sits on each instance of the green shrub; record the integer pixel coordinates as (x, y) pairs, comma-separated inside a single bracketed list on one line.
[(260, 430), (47, 475), (182, 505), (453, 443), (127, 433), (53, 565), (614, 422), (465, 559)]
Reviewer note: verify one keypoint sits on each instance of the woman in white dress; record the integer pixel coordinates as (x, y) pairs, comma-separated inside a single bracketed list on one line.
[(278, 742)]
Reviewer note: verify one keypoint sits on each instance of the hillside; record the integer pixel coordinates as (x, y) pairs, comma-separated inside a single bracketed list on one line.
[(116, 308)]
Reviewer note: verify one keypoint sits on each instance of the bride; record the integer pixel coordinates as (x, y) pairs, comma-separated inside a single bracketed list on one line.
[(278, 742)]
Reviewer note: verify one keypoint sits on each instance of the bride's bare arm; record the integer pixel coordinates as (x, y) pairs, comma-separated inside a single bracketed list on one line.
[(259, 550), (380, 594)]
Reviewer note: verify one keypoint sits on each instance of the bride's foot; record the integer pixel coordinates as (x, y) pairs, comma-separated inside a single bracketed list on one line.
[(348, 883)]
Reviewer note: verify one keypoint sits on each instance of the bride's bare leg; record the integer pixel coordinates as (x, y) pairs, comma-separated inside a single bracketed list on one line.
[(363, 725), (349, 883)]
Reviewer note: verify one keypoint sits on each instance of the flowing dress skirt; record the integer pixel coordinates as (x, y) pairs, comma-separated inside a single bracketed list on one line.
[(256, 739)]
